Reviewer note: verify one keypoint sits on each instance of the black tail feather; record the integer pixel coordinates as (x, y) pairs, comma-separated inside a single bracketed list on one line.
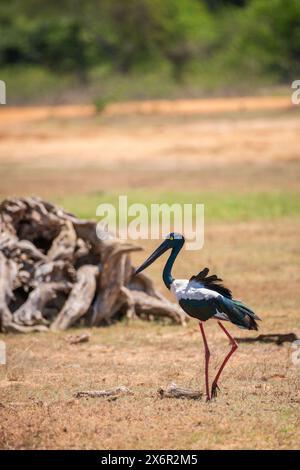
[(212, 282), (241, 315)]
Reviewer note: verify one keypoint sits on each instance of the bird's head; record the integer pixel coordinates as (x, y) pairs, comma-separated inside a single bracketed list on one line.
[(172, 241)]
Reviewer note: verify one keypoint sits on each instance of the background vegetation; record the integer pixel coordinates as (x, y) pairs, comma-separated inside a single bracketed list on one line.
[(240, 157), (76, 50)]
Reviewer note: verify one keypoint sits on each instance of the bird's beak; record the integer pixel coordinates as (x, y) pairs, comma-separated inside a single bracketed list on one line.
[(156, 254)]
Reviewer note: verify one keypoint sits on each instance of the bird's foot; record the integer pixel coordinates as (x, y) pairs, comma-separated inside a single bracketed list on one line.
[(214, 390)]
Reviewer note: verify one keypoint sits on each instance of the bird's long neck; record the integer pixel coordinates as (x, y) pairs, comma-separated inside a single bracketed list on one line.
[(167, 272)]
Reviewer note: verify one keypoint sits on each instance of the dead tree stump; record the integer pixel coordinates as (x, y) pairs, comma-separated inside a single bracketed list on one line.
[(56, 271)]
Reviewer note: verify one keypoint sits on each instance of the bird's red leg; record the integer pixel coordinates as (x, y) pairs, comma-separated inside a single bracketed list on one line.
[(234, 347), (207, 356)]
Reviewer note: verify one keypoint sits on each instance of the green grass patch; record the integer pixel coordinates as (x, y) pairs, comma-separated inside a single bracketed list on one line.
[(35, 84), (229, 207)]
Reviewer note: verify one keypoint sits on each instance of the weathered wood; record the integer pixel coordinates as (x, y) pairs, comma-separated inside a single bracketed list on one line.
[(79, 300), (31, 312), (8, 271), (146, 306), (111, 280), (127, 302), (64, 244), (56, 269), (143, 283), (31, 218), (173, 391)]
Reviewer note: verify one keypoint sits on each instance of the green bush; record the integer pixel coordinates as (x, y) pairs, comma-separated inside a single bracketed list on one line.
[(267, 39), (206, 43)]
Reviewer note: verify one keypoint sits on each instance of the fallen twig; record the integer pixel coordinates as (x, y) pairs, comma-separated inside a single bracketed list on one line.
[(112, 392), (77, 339), (172, 391)]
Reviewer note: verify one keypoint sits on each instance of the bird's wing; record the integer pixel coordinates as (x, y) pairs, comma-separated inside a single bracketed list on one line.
[(203, 303), (212, 282), (194, 299)]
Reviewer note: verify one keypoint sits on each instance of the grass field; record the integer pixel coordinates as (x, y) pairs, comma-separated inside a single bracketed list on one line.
[(228, 207), (244, 166)]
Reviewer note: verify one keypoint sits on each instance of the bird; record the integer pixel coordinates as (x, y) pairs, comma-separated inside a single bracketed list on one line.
[(203, 297)]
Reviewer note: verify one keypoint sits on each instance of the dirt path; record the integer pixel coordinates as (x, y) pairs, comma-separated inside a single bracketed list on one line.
[(195, 106), (71, 149), (76, 134)]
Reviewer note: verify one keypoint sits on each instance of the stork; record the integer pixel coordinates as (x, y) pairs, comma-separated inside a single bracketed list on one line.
[(203, 297)]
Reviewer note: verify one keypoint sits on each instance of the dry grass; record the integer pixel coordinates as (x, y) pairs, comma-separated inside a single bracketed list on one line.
[(258, 406)]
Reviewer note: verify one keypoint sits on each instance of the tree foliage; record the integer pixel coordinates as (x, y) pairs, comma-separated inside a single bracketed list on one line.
[(263, 36)]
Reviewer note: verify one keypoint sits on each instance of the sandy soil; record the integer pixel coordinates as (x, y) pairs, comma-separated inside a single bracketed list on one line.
[(56, 134), (258, 405), (195, 106), (245, 138), (218, 145)]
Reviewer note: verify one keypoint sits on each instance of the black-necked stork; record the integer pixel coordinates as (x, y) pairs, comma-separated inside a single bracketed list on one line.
[(203, 297)]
